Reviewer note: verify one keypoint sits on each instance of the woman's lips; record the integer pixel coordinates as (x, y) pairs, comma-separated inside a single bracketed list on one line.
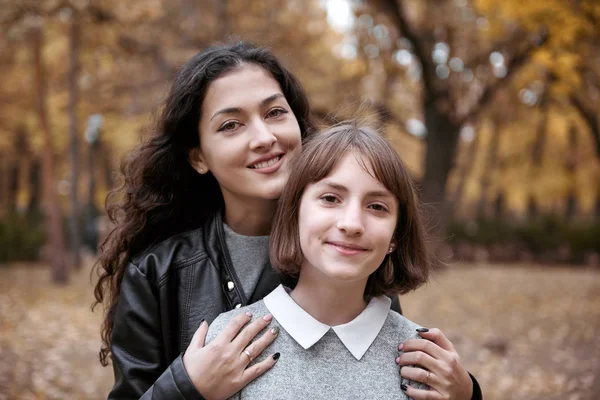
[(269, 169)]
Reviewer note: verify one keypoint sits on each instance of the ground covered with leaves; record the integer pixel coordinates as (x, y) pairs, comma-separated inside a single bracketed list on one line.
[(525, 332)]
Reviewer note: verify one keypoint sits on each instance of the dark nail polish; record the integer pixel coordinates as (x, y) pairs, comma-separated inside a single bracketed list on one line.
[(422, 330), (276, 356), (275, 331), (403, 387)]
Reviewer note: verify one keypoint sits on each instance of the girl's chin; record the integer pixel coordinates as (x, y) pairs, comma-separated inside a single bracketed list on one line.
[(345, 277)]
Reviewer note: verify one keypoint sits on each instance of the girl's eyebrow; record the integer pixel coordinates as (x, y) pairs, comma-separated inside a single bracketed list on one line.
[(237, 110), (342, 188)]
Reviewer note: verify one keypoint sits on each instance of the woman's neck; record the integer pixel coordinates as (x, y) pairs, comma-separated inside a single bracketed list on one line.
[(252, 218), (332, 303)]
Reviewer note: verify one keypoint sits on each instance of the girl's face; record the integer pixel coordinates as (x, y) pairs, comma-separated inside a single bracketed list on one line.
[(346, 223), (248, 135)]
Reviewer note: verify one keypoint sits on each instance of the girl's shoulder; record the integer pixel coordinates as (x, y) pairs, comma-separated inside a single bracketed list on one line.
[(398, 324), (258, 310)]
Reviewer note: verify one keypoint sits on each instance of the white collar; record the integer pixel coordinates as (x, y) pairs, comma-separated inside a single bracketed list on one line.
[(357, 335)]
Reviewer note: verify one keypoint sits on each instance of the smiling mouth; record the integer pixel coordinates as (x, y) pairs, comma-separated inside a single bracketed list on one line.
[(266, 164), (344, 248)]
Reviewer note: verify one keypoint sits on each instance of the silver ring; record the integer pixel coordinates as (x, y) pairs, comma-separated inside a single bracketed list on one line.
[(246, 352)]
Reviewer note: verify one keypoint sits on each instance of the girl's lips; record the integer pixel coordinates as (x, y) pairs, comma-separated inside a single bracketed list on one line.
[(346, 250)]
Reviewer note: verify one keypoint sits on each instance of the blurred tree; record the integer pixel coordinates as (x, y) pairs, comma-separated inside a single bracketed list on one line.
[(426, 70), (460, 60), (52, 207), (73, 78)]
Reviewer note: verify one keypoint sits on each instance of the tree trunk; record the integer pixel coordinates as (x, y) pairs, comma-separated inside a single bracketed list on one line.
[(442, 138), (13, 185), (75, 32), (35, 186), (537, 151), (467, 164), (571, 169), (107, 168), (51, 204), (3, 183), (590, 117), (490, 165)]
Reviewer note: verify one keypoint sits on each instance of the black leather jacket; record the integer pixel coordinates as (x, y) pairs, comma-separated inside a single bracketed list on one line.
[(165, 293)]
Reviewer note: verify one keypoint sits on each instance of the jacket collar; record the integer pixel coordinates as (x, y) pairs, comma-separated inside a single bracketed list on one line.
[(357, 335), (216, 248)]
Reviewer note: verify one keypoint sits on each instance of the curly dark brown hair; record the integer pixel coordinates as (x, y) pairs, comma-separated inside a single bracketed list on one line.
[(162, 194)]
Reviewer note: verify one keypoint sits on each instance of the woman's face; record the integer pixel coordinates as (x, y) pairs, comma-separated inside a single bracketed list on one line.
[(346, 223), (248, 135)]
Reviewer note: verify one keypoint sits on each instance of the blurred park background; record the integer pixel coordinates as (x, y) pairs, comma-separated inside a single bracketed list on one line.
[(493, 104)]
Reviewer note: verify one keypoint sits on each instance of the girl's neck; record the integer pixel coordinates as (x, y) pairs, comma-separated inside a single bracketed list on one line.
[(252, 218), (331, 303)]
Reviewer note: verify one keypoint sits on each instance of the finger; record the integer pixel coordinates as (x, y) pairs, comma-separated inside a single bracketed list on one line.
[(234, 326), (420, 359), (258, 369), (421, 394), (258, 346), (250, 332), (199, 337), (420, 375), (425, 346), (438, 337)]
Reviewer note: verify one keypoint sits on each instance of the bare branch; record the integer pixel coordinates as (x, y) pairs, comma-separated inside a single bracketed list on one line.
[(513, 66), (396, 10)]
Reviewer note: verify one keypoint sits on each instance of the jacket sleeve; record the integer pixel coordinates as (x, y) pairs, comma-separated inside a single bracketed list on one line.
[(137, 348), (477, 394)]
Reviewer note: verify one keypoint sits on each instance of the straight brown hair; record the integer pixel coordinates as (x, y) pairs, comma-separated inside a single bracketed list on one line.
[(408, 266)]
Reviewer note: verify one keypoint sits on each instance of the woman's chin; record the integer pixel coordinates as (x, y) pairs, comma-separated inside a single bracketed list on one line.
[(271, 191)]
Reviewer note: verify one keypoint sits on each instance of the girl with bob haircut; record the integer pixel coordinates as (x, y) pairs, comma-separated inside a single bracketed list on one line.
[(348, 231), (192, 225)]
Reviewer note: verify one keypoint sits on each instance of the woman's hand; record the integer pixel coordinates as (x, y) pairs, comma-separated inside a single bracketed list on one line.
[(442, 372), (220, 369)]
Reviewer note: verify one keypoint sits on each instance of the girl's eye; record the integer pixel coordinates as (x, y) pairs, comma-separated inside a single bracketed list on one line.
[(276, 112), (329, 198), (378, 207), (228, 126)]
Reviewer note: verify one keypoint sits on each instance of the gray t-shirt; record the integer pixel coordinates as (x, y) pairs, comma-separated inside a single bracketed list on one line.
[(249, 256)]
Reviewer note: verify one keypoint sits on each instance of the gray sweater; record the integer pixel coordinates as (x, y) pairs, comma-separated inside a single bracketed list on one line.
[(327, 369)]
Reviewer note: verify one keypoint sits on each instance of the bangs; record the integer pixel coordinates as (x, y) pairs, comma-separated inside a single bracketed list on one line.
[(377, 157)]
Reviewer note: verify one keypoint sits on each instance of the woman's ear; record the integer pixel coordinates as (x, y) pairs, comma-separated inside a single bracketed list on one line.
[(197, 160), (391, 248)]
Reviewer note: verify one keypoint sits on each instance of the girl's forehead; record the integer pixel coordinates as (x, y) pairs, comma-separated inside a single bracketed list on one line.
[(352, 172)]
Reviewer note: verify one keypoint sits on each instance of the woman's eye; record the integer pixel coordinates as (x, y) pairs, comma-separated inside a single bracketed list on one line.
[(228, 126), (276, 112)]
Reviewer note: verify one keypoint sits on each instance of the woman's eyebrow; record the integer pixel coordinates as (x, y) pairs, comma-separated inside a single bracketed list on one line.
[(237, 110), (271, 99)]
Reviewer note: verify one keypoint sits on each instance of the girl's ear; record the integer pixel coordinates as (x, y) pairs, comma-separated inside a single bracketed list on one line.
[(391, 248), (197, 160)]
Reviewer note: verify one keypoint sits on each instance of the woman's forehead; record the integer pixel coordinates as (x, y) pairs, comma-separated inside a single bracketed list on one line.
[(245, 85)]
